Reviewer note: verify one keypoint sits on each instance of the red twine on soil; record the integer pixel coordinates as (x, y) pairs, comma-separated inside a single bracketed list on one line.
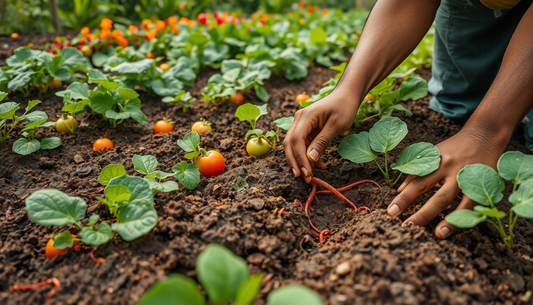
[(96, 259), (52, 292)]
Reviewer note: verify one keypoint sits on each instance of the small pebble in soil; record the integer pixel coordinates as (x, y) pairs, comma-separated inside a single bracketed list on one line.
[(343, 268), (257, 204), (6, 46)]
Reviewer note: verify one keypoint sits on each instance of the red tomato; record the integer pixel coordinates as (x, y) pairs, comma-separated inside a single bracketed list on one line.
[(302, 97), (202, 18), (163, 126), (212, 164), (237, 98), (102, 143), (201, 127), (52, 252)]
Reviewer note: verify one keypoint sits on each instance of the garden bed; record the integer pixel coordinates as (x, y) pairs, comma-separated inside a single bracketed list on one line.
[(388, 263)]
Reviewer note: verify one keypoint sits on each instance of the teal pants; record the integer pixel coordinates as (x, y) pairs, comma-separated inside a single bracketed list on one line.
[(470, 41)]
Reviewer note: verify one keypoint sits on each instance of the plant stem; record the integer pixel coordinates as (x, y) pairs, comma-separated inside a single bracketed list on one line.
[(396, 181), (381, 169), (387, 170)]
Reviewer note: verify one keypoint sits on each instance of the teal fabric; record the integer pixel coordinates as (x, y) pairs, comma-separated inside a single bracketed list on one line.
[(470, 41)]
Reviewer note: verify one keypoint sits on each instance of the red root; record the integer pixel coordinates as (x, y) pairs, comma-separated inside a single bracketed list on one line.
[(323, 235), (310, 198), (52, 292), (300, 203), (96, 259), (334, 191), (345, 188), (281, 211), (313, 227)]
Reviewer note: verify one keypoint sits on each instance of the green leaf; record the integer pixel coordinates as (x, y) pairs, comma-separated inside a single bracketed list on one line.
[(127, 94), (481, 183), (19, 81), (112, 114), (136, 219), (489, 212), (221, 273), (102, 102), (294, 295), (387, 133), (168, 186), (21, 55), (261, 93), (94, 218), (144, 164), (356, 148), (418, 159), (139, 189), (516, 167), (295, 70), (318, 36), (163, 175), (50, 143), (177, 289), (248, 112), (8, 110), (96, 238), (49, 207), (522, 199), (75, 91), (413, 88), (465, 218), (111, 171), (117, 193), (32, 104), (190, 141), (34, 125), (285, 123), (256, 132), (187, 173), (133, 67), (137, 114), (197, 39), (25, 147), (36, 116), (63, 240), (248, 291)]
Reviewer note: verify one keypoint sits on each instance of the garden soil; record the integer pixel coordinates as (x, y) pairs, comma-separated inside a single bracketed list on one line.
[(369, 259)]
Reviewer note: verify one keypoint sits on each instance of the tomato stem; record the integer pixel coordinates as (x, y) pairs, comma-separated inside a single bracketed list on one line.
[(53, 281)]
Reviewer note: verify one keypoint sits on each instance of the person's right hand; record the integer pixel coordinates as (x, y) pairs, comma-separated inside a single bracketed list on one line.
[(313, 129)]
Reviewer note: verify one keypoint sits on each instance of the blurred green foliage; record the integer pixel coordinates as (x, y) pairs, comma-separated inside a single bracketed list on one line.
[(27, 16)]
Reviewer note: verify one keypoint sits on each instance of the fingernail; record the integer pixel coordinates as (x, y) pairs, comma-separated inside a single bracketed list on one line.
[(294, 172), (314, 155), (393, 209), (402, 186), (444, 231), (304, 170), (407, 223)]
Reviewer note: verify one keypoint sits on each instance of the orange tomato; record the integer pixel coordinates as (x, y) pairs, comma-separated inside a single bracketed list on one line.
[(202, 127), (301, 3), (211, 164), (102, 143), (52, 252), (56, 84), (85, 31), (236, 98), (369, 97), (150, 55), (87, 51), (163, 126), (302, 97), (164, 67), (14, 36)]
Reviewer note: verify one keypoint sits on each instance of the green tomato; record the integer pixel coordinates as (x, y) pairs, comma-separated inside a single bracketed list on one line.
[(257, 147)]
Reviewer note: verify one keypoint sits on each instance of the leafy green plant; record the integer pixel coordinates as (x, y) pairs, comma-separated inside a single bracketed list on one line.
[(226, 279), (240, 185), (28, 144), (485, 186), (417, 159), (183, 97), (207, 163)]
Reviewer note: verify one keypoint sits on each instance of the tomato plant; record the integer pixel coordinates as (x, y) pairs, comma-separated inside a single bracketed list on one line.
[(210, 163), (183, 97), (202, 126), (102, 143), (66, 124), (163, 126)]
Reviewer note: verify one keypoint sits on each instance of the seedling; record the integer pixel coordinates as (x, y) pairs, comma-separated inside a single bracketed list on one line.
[(208, 163), (28, 144), (417, 159), (225, 278), (485, 186), (183, 97), (240, 185)]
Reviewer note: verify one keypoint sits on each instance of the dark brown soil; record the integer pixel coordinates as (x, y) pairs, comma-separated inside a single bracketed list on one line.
[(388, 264)]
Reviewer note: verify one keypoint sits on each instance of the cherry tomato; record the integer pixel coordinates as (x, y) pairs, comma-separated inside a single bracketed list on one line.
[(164, 67), (236, 98), (212, 164), (302, 97), (87, 51), (52, 252), (102, 143), (257, 147), (66, 124), (150, 55), (369, 97), (14, 36), (163, 126), (202, 18), (202, 127), (56, 84)]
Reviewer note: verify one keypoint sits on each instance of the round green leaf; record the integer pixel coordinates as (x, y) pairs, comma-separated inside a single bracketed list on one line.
[(294, 295), (63, 240), (221, 273), (465, 218), (523, 200), (136, 219), (96, 238), (187, 173), (189, 142), (516, 167), (356, 148), (24, 147), (177, 289), (285, 123), (50, 143), (413, 88), (144, 164), (248, 291), (197, 39), (418, 159), (481, 183), (111, 171), (247, 112), (8, 109), (117, 193), (165, 187), (387, 133), (489, 212), (54, 208), (140, 189)]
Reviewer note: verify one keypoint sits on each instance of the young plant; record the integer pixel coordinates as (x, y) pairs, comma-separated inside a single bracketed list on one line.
[(183, 97), (28, 144), (485, 186), (417, 159), (240, 185), (226, 280), (208, 163)]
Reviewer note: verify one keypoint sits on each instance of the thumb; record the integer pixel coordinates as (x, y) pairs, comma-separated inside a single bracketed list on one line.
[(321, 142)]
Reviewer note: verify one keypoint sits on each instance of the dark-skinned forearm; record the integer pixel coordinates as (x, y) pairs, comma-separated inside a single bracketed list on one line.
[(510, 97), (392, 31)]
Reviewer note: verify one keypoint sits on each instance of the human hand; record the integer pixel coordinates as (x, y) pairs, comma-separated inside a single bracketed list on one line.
[(313, 129), (464, 148)]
